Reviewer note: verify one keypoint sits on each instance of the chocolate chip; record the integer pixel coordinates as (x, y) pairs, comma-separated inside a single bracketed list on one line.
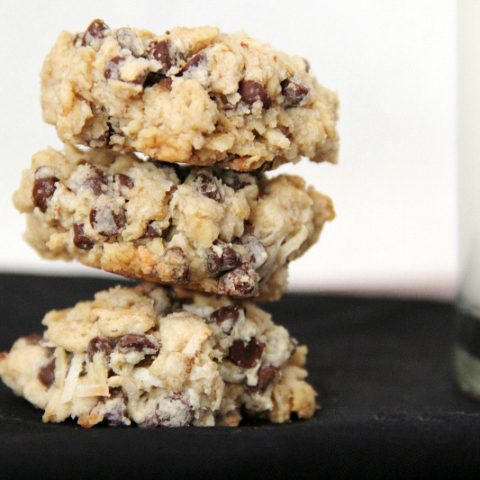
[(125, 181), (98, 345), (33, 338), (112, 69), (240, 282), (293, 92), (207, 186), (161, 51), (192, 63), (226, 317), (46, 374), (265, 375), (245, 355), (252, 91), (258, 253), (151, 231), (96, 30), (134, 342), (43, 190), (176, 264), (106, 221), (96, 181), (221, 257), (80, 240), (117, 415)]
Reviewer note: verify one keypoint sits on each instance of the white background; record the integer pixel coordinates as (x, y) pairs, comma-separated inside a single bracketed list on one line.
[(393, 66)]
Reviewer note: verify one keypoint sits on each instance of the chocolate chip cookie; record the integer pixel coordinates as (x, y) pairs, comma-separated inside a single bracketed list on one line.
[(207, 229), (153, 357), (192, 95)]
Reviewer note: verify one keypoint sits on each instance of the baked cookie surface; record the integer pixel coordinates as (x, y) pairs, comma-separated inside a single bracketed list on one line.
[(207, 229), (192, 95), (155, 357)]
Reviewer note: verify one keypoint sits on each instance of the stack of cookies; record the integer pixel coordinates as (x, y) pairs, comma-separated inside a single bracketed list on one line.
[(163, 178)]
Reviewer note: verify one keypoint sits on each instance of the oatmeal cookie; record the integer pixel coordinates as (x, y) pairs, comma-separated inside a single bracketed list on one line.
[(192, 95), (204, 228), (153, 357)]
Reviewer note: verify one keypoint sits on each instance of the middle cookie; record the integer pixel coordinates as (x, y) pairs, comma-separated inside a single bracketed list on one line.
[(212, 230)]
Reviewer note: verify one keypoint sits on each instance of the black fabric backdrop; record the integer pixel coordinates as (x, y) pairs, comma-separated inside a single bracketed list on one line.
[(382, 368)]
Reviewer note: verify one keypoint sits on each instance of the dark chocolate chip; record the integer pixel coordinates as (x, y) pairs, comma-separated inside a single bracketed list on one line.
[(98, 345), (192, 63), (161, 51), (43, 190), (265, 375), (111, 222), (46, 374), (293, 92), (240, 282), (80, 240), (112, 69), (134, 342), (245, 355), (221, 257), (125, 181), (252, 91), (226, 317), (96, 30), (96, 181), (207, 186)]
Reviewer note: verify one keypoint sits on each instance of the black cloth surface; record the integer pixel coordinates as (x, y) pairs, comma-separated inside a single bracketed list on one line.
[(382, 368)]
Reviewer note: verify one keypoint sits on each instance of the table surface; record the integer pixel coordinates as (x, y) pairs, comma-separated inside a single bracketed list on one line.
[(382, 368)]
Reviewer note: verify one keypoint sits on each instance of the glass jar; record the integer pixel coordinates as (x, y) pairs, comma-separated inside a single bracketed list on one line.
[(467, 345)]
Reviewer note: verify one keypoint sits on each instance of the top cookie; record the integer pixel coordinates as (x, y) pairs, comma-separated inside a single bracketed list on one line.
[(191, 95)]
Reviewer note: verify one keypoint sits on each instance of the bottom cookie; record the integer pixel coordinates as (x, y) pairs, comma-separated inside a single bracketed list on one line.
[(153, 356)]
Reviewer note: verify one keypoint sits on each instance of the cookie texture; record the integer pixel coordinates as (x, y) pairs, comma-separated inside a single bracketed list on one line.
[(202, 228), (192, 95), (153, 357)]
